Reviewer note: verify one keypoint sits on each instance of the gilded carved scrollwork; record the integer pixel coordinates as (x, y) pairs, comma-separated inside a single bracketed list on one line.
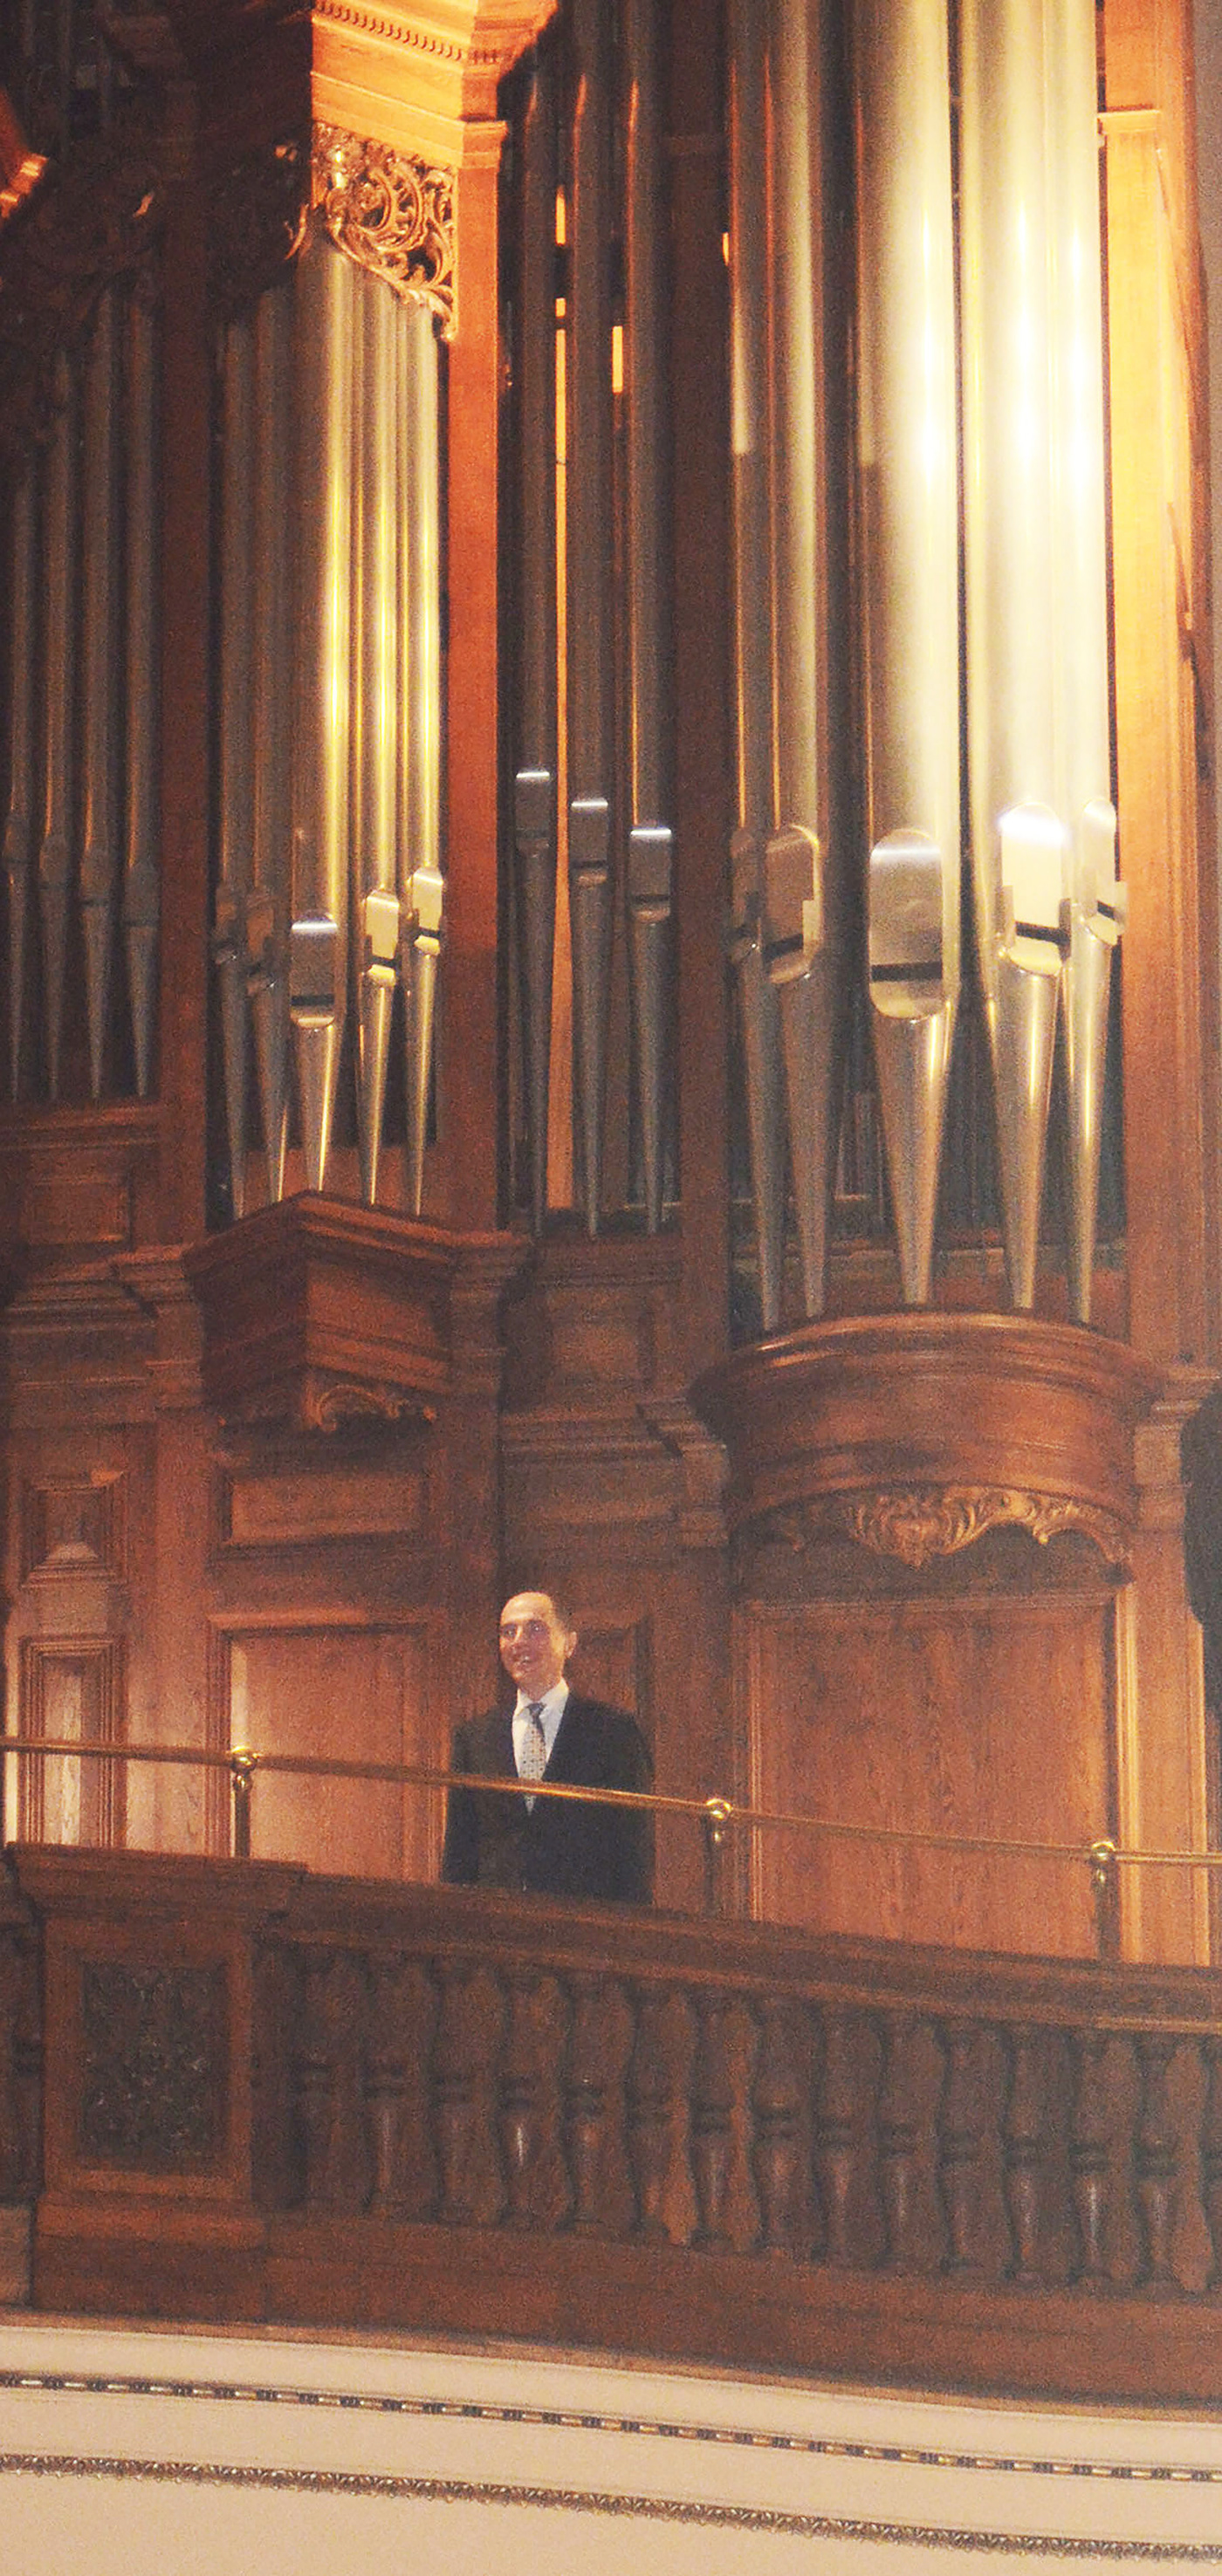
[(917, 1524), (258, 217), (392, 214)]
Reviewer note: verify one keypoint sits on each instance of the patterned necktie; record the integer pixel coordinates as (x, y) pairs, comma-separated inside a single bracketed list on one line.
[(533, 1761)]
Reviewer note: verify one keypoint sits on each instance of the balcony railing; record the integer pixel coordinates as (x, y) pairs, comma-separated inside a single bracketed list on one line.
[(237, 2091)]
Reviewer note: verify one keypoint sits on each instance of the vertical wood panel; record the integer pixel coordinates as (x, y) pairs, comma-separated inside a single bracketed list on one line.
[(342, 1693)]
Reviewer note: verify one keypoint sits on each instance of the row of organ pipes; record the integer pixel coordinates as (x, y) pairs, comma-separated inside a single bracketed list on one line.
[(330, 887), (1015, 356), (81, 824)]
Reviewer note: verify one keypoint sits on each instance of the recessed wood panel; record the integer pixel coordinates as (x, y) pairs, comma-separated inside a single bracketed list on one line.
[(985, 1720), (326, 1694), (270, 1510)]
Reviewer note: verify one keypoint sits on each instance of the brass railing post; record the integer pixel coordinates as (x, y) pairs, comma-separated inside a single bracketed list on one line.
[(718, 1813), (1105, 1882), (242, 1766)]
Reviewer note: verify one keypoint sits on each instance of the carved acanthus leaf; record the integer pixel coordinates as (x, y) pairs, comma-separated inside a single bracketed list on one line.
[(392, 214), (918, 1523)]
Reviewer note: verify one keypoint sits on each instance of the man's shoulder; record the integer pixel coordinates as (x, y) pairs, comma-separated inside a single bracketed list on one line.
[(600, 1719)]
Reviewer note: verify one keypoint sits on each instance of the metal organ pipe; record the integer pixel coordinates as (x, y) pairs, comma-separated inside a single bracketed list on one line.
[(19, 816), (236, 729), (803, 896), (267, 902), (99, 692), (375, 706), (1095, 902), (907, 473), (749, 442), (326, 292), (421, 882), (141, 889), (589, 520), (535, 778), (651, 837), (60, 591)]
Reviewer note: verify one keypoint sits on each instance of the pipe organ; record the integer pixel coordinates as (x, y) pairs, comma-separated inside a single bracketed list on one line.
[(586, 624)]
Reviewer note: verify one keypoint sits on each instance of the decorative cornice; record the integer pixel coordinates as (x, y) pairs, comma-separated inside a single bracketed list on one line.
[(391, 213), (259, 212)]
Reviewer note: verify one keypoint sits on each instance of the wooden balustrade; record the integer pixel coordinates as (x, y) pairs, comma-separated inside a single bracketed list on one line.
[(271, 2095)]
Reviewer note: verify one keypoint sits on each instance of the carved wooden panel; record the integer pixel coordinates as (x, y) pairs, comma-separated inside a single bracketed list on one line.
[(941, 1716), (282, 1509), (71, 1687), (334, 1691), (74, 1513)]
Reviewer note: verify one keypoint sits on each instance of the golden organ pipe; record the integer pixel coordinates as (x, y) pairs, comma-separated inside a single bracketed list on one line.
[(326, 284), (421, 882), (749, 443), (589, 519), (535, 781), (907, 517), (99, 678), (267, 906)]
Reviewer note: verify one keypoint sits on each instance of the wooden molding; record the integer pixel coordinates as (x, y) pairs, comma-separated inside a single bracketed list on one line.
[(422, 78)]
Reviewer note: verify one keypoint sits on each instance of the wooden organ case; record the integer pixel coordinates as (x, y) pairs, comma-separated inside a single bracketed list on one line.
[(563, 1016)]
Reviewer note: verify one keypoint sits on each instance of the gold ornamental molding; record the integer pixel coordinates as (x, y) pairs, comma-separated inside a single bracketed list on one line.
[(916, 1526), (392, 214)]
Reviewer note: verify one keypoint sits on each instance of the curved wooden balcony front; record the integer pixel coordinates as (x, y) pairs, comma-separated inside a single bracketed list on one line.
[(238, 2091)]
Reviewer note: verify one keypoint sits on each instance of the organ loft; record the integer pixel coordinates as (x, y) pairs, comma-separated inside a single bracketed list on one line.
[(611, 980)]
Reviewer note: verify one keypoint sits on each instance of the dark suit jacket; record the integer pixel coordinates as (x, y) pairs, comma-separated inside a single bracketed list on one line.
[(561, 1847)]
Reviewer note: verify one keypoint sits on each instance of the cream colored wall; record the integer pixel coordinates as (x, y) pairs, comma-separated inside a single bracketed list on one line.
[(143, 2453)]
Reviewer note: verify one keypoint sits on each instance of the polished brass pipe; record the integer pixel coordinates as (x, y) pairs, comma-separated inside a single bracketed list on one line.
[(749, 445), (375, 705), (908, 548), (318, 938), (650, 879)]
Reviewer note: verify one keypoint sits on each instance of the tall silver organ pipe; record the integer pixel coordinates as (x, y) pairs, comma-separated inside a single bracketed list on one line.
[(19, 816), (236, 729), (907, 472), (326, 295), (267, 903), (802, 889), (375, 742), (1096, 903), (141, 877), (749, 445), (99, 866), (651, 837), (535, 774), (590, 640), (60, 637), (421, 881)]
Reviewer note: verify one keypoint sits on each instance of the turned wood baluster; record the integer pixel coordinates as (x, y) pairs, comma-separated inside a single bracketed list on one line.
[(712, 2103), (585, 2101), (837, 2137), (776, 2109), (1089, 2163), (1211, 2156), (897, 2139), (1154, 2161), (959, 2145), (394, 2035), (1023, 2152), (332, 2084), (453, 2075), (519, 2103), (649, 2094)]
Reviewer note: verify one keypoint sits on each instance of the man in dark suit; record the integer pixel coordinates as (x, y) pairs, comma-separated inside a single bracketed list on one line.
[(555, 1846)]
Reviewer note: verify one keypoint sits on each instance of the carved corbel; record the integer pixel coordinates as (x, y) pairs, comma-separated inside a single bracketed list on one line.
[(390, 212)]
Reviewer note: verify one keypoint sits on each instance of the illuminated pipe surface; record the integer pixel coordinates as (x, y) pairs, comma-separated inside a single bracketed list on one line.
[(141, 879), (99, 675), (908, 537), (1009, 537), (237, 729), (535, 781), (19, 814), (421, 879), (376, 708), (318, 938), (59, 574), (651, 837), (749, 443)]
